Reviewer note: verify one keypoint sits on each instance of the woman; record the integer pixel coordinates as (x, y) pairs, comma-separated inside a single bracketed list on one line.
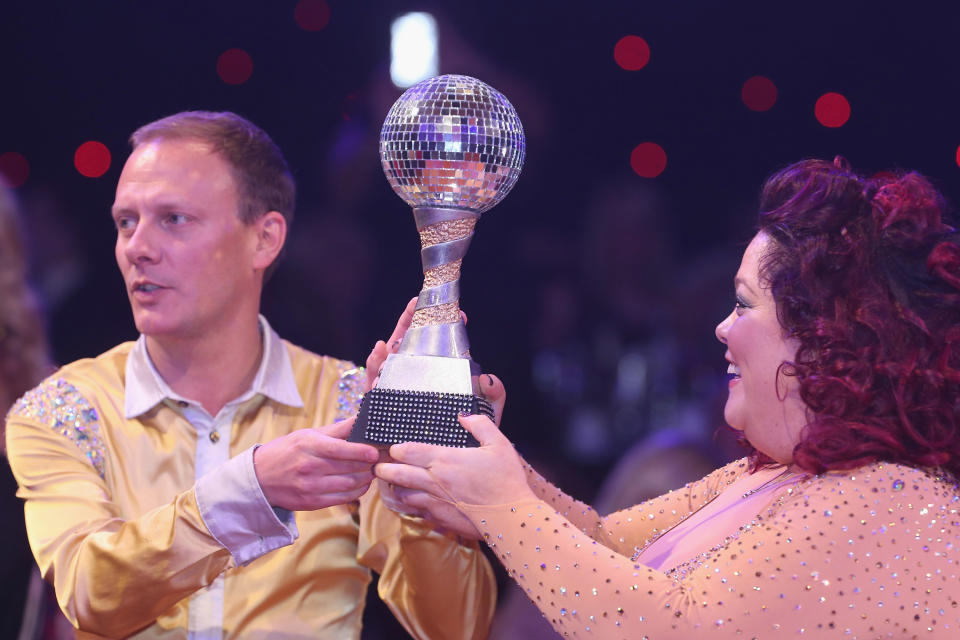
[(845, 381)]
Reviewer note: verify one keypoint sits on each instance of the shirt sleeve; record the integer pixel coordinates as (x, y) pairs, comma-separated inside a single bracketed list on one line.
[(237, 513), (112, 575), (844, 555), (631, 529), (438, 587)]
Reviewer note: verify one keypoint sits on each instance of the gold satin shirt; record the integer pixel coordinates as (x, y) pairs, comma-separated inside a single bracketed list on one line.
[(114, 523)]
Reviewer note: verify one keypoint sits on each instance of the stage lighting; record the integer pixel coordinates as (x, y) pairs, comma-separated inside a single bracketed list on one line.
[(413, 49)]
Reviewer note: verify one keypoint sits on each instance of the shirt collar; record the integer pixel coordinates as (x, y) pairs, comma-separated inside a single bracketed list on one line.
[(145, 388)]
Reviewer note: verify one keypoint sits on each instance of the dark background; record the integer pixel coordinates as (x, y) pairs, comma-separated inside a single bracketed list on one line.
[(96, 70)]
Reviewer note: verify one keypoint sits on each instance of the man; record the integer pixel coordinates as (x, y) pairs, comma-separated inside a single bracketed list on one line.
[(149, 504)]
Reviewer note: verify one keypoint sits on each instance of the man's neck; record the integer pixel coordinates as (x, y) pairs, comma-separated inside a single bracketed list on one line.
[(212, 370)]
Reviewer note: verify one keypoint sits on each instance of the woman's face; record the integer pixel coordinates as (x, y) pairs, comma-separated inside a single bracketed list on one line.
[(762, 402)]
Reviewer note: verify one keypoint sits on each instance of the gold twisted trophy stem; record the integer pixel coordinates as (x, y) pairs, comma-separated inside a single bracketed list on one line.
[(437, 329), (444, 274)]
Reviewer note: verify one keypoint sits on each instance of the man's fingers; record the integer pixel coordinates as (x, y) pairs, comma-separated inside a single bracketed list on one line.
[(340, 429), (330, 444)]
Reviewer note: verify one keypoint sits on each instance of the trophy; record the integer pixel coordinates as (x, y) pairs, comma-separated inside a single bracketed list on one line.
[(451, 148)]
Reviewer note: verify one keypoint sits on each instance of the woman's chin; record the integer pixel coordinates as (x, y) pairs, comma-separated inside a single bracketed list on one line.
[(732, 417)]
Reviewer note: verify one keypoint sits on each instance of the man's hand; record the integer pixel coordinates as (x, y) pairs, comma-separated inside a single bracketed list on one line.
[(314, 468)]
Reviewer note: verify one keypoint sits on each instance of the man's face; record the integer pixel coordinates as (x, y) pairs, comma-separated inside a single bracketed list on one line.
[(184, 254)]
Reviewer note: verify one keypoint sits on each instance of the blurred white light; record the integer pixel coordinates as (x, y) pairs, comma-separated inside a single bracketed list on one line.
[(413, 49)]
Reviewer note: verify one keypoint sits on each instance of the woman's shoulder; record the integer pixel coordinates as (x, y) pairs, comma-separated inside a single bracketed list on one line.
[(882, 489), (892, 477)]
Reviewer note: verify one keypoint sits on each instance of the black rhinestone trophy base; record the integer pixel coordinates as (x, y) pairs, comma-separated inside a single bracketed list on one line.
[(392, 416)]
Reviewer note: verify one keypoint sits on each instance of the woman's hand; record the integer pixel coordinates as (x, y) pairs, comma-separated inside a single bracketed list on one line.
[(431, 480), (382, 349)]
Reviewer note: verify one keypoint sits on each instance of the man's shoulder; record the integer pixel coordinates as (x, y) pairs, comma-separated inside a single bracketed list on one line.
[(329, 377), (68, 401), (304, 360), (83, 379)]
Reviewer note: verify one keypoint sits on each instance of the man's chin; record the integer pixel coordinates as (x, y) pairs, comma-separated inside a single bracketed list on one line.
[(150, 325)]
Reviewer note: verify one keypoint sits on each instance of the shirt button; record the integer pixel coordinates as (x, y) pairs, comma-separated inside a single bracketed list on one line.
[(214, 437)]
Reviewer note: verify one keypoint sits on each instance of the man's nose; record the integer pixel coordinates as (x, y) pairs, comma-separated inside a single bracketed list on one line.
[(142, 245)]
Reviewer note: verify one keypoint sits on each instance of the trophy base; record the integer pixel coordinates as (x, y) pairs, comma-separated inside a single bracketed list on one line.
[(392, 416)]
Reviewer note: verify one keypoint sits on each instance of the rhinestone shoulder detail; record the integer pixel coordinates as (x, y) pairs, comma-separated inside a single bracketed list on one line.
[(58, 404), (349, 390)]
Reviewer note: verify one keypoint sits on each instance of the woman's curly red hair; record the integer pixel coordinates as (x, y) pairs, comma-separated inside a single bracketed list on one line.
[(866, 276)]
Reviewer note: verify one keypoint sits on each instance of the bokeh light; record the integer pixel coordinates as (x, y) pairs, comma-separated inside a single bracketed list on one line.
[(92, 159), (414, 49), (958, 156), (349, 106), (648, 159), (832, 110), (14, 169), (632, 53), (234, 66), (759, 93), (312, 15)]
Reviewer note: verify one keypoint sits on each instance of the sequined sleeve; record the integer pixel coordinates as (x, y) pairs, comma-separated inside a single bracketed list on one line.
[(631, 529), (863, 554), (349, 390), (112, 576)]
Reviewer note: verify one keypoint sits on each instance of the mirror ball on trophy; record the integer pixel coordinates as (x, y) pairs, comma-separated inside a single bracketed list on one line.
[(451, 147)]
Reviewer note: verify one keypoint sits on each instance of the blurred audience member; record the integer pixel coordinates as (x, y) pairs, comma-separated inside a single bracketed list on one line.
[(606, 358), (28, 607)]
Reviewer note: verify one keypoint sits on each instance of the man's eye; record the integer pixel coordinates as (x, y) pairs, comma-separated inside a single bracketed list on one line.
[(124, 223), (177, 218)]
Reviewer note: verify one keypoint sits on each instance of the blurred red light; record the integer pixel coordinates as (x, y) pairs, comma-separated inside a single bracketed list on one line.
[(92, 159), (312, 15), (234, 66), (632, 53), (648, 159), (14, 169), (759, 93), (832, 110), (348, 107), (958, 156)]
